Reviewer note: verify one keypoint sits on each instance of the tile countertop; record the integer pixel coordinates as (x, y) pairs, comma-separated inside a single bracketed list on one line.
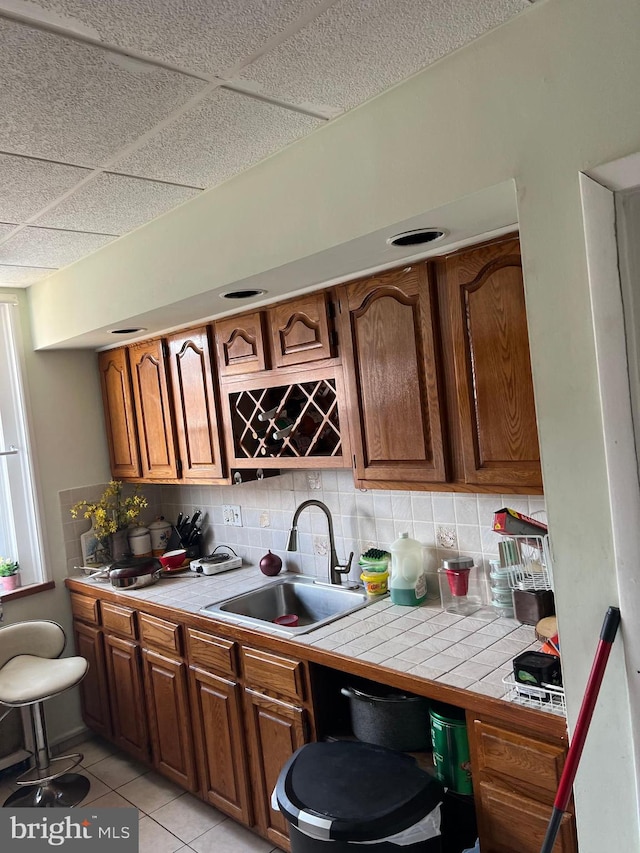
[(472, 653)]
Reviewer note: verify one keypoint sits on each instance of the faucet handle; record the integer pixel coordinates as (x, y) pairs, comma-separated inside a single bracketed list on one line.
[(346, 568)]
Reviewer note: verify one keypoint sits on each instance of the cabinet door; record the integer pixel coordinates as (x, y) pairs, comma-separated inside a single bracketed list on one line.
[(94, 690), (240, 344), (300, 330), (512, 823), (275, 731), (126, 694), (387, 335), (487, 329), (168, 713), (218, 733), (119, 414), (195, 405), (153, 411)]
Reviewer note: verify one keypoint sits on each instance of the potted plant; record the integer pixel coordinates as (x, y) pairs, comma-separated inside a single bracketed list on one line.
[(9, 573), (111, 515)]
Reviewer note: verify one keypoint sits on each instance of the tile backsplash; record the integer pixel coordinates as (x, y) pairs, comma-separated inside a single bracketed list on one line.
[(446, 524)]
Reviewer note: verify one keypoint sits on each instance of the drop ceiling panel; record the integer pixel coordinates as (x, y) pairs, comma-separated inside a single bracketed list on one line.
[(28, 185), (356, 49), (203, 35), (6, 229), (44, 247), (21, 276), (225, 134), (71, 102), (114, 204)]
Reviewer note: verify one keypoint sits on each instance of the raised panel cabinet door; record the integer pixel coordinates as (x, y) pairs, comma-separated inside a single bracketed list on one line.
[(169, 716), (275, 731), (94, 689), (195, 405), (220, 745), (488, 329), (119, 414), (389, 352), (240, 344), (153, 411), (126, 694), (300, 330), (512, 823)]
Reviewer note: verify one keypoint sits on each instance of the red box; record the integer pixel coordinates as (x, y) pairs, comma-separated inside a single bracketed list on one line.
[(512, 523)]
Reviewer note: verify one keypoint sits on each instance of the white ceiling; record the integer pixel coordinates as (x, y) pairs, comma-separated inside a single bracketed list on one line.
[(116, 111)]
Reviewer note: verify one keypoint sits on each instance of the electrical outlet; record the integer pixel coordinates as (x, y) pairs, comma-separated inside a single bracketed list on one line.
[(313, 479), (231, 515), (265, 521)]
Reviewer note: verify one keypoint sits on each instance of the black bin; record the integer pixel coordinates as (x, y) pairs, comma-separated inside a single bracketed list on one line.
[(336, 794)]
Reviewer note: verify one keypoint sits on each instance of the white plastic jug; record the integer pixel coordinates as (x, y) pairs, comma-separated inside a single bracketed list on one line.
[(408, 581)]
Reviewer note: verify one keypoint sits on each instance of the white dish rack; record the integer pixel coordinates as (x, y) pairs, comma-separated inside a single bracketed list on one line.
[(531, 562), (545, 698)]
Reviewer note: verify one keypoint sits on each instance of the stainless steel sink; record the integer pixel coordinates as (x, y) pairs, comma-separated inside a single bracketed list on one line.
[(314, 604)]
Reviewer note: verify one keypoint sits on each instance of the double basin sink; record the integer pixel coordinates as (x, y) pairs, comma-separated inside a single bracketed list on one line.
[(314, 604)]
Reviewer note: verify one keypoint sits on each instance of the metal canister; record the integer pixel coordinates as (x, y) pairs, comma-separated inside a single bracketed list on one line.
[(451, 748)]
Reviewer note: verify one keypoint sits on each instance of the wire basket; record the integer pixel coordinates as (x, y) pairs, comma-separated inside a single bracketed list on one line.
[(528, 561), (545, 698)]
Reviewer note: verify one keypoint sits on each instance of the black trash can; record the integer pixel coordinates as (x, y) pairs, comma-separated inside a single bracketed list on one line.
[(335, 795)]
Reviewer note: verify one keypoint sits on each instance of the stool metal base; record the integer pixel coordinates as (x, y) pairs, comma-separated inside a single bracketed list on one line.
[(64, 791)]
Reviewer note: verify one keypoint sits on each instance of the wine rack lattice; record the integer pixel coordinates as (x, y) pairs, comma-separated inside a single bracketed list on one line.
[(288, 421)]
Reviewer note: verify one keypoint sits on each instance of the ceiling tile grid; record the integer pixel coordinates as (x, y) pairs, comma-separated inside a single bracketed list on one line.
[(207, 36), (28, 185), (111, 115), (21, 276), (113, 204), (225, 134), (358, 48), (75, 103), (46, 247)]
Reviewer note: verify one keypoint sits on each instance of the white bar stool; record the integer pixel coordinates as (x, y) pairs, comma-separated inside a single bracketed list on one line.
[(31, 671)]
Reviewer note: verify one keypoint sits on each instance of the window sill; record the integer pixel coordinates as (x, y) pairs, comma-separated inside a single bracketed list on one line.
[(23, 591)]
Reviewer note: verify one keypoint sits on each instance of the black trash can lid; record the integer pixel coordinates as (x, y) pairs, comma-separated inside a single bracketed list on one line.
[(346, 791)]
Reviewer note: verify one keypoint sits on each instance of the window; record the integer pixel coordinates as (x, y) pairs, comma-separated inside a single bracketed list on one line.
[(20, 536)]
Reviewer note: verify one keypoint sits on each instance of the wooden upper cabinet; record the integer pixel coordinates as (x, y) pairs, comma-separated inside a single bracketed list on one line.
[(389, 352), (485, 328), (241, 345), (195, 405), (300, 330), (153, 411), (122, 436)]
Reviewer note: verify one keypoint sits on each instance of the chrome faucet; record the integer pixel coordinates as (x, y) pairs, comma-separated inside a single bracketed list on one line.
[(336, 569)]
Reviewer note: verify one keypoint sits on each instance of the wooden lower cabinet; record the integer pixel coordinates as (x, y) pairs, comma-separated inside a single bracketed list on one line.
[(94, 692), (168, 712), (216, 705), (274, 730), (513, 823), (515, 778), (127, 696)]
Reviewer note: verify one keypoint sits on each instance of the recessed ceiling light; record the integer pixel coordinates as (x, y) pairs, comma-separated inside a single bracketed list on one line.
[(417, 237), (127, 331), (242, 294)]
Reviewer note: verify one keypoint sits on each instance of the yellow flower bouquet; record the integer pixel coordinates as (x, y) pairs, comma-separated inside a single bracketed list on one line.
[(113, 511)]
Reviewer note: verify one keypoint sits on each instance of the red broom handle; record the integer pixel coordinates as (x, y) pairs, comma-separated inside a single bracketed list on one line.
[(607, 636)]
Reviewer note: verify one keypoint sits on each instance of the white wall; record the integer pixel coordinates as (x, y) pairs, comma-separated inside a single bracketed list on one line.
[(69, 446), (550, 93)]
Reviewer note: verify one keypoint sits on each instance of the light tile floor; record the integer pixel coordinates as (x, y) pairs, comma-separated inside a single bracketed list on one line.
[(171, 820)]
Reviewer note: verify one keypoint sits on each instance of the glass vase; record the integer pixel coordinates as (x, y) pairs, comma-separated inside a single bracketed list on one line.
[(119, 544)]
